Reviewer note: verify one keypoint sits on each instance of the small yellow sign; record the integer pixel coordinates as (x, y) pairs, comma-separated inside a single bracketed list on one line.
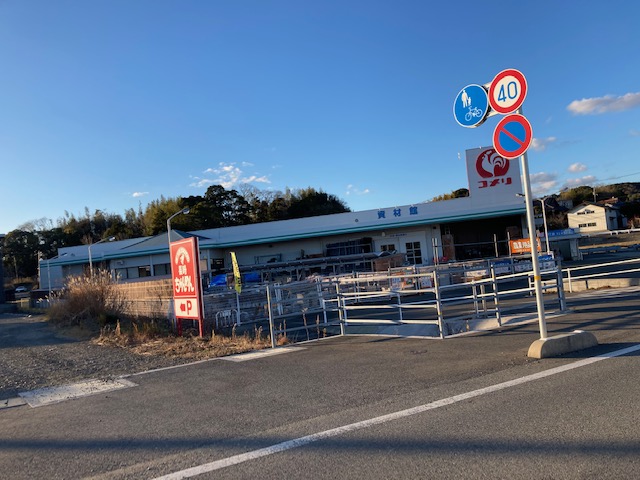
[(236, 273)]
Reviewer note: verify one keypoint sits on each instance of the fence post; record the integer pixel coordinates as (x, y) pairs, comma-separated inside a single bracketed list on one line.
[(237, 308), (560, 286), (436, 285), (496, 302), (483, 293), (278, 291), (271, 329), (569, 280), (474, 293), (340, 311)]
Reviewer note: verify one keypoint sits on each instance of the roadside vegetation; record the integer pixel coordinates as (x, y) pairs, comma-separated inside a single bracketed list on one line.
[(92, 307)]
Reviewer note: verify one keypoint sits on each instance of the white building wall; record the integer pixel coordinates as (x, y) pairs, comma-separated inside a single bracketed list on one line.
[(589, 218)]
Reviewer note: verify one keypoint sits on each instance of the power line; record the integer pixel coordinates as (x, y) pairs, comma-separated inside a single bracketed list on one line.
[(622, 176)]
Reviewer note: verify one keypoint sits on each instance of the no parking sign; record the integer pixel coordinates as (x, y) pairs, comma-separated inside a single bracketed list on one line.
[(512, 136)]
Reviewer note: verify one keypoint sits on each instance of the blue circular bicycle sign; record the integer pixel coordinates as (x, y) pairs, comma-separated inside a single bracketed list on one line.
[(471, 106)]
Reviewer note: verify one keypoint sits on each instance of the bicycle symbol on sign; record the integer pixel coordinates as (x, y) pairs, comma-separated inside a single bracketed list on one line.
[(474, 112)]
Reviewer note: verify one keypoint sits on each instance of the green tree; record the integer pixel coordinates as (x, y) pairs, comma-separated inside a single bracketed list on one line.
[(461, 192), (309, 202), (225, 207), (20, 253), (157, 213), (578, 195)]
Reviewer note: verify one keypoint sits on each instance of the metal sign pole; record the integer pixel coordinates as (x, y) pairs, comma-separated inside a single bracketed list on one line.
[(537, 280)]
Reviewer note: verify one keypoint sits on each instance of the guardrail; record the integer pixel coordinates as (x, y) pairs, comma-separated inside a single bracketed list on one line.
[(571, 278), (448, 308)]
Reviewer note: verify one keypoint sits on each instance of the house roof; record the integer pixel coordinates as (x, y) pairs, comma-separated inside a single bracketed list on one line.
[(454, 210), (591, 204)]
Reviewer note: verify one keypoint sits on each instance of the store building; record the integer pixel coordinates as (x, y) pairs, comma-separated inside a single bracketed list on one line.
[(479, 225)]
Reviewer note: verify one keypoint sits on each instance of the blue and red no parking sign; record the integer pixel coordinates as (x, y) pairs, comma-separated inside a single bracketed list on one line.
[(512, 136)]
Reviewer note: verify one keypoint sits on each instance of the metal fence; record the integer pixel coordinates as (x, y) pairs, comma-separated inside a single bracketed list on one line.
[(572, 278), (438, 301)]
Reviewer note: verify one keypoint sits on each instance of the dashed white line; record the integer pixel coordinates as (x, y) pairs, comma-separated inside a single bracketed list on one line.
[(334, 432)]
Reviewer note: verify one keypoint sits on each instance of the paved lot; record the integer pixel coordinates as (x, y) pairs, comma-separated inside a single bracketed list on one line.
[(578, 423)]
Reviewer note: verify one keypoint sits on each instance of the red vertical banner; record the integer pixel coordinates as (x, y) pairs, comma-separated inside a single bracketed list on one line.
[(185, 276)]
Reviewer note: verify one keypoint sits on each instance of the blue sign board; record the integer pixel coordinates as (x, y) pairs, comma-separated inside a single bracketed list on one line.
[(471, 106), (562, 233)]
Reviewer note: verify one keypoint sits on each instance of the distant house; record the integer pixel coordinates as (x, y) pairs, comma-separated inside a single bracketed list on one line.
[(590, 217), (568, 204)]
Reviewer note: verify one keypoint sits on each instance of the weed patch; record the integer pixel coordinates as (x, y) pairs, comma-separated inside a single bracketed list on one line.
[(145, 341), (87, 301)]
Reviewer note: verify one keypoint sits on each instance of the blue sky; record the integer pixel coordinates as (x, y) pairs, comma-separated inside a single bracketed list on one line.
[(111, 104)]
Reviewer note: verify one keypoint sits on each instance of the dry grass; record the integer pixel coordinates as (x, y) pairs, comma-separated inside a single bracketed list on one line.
[(94, 304), (191, 347), (87, 301)]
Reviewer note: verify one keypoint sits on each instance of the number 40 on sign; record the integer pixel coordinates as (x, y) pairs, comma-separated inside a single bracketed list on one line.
[(507, 91)]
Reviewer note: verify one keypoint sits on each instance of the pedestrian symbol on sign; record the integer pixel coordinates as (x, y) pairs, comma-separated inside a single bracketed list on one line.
[(471, 106), (466, 101)]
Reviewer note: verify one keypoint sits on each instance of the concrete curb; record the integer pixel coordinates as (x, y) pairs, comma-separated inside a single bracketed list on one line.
[(595, 283), (561, 344), (12, 402)]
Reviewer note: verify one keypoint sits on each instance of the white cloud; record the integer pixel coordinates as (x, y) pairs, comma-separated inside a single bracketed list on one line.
[(577, 167), (139, 194), (351, 190), (543, 182), (634, 133), (540, 144), (201, 182), (228, 175), (577, 182), (606, 104)]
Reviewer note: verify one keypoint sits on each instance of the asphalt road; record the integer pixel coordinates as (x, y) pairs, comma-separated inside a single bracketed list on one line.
[(361, 407)]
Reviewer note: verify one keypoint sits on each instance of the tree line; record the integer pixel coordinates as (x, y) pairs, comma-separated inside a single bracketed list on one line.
[(218, 207)]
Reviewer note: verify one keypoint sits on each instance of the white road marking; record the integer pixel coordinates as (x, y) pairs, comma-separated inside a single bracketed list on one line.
[(334, 432), (243, 357), (47, 396)]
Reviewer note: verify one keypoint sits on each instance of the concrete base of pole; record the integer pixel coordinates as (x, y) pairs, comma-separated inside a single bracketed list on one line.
[(561, 344)]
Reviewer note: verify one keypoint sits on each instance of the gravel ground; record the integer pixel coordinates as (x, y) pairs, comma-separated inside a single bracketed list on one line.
[(34, 355)]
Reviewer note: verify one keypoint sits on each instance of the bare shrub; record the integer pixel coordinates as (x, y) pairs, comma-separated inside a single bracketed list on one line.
[(143, 341), (87, 301)]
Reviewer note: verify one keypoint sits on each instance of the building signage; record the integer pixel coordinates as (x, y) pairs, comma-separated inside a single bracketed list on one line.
[(397, 212), (491, 174), (562, 233), (185, 276), (522, 245)]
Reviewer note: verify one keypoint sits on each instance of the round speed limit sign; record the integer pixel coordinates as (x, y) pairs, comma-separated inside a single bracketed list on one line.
[(507, 91)]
